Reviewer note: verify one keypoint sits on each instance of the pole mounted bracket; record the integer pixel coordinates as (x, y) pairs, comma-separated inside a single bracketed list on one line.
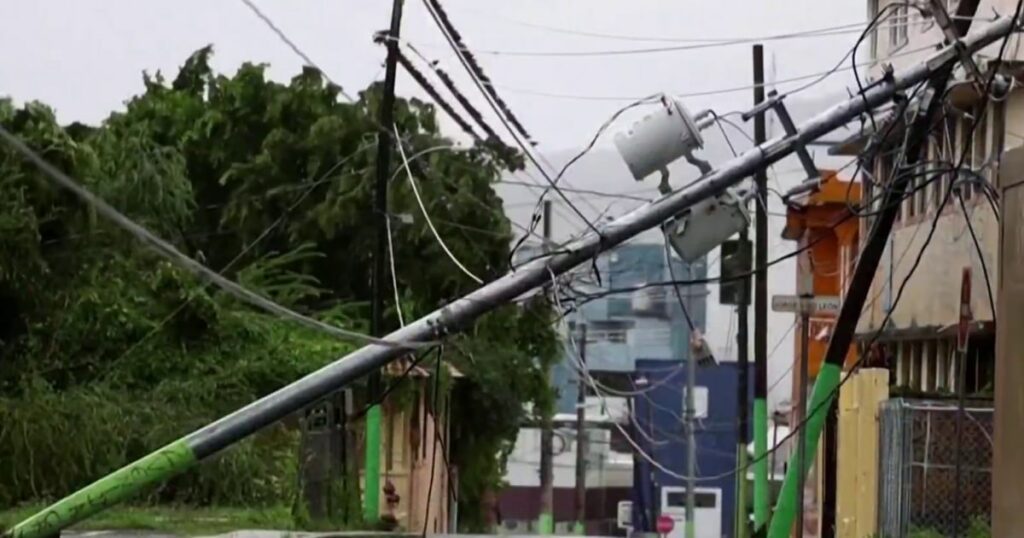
[(775, 102), (938, 12)]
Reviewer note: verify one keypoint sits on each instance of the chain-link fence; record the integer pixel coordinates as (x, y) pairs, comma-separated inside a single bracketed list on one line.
[(918, 469)]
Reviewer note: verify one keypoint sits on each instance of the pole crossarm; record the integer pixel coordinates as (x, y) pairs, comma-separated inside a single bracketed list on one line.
[(210, 439)]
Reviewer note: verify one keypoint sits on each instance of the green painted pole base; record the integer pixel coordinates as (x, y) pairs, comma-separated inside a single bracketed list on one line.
[(821, 399), (742, 517), (105, 492), (371, 480), (546, 522), (761, 483)]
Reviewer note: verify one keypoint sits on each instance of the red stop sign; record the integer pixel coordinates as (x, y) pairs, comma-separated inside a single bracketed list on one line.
[(665, 524)]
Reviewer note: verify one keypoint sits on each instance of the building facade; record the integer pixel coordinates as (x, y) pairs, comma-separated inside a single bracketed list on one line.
[(658, 428), (642, 322), (917, 335)]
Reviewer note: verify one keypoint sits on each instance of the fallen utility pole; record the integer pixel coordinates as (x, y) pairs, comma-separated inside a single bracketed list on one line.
[(181, 454), (372, 488), (826, 385), (761, 485)]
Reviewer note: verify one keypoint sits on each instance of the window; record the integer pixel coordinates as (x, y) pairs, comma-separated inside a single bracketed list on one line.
[(921, 196), (980, 148), (898, 26), (872, 13), (677, 499), (867, 202), (966, 149), (911, 196), (935, 155), (948, 144)]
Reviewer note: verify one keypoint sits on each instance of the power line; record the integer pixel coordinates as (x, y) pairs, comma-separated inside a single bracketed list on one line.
[(168, 251), (454, 40), (601, 194), (692, 44), (981, 254), (426, 216), (291, 44), (703, 93), (667, 39)]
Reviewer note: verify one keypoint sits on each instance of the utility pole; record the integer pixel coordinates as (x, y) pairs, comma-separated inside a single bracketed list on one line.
[(801, 404), (961, 381), (183, 453), (742, 400), (371, 493), (827, 383), (581, 437), (761, 484), (691, 443), (546, 519)]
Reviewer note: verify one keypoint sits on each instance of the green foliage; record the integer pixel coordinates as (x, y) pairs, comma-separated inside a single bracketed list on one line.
[(108, 351)]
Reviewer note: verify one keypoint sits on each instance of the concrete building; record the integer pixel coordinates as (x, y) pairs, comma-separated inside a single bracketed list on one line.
[(609, 472), (647, 322), (659, 430), (918, 334)]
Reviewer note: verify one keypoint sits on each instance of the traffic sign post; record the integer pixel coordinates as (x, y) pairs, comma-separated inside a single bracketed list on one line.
[(962, 334), (805, 305)]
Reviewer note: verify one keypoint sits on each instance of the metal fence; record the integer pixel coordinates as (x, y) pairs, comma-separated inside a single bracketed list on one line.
[(917, 475)]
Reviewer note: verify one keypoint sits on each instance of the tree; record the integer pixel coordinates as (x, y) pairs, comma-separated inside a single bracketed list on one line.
[(271, 184)]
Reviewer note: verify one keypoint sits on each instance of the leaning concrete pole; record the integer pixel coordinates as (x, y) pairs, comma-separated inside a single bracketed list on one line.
[(208, 440)]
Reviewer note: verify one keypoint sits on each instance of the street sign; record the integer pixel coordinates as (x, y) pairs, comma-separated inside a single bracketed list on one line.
[(665, 524), (820, 304)]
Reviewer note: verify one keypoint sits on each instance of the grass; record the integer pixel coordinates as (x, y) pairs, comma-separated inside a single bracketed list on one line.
[(182, 521)]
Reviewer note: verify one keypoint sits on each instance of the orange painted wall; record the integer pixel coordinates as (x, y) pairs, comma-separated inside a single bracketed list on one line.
[(829, 262)]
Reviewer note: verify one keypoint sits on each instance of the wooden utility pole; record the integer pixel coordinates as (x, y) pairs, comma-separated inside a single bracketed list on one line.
[(742, 402), (761, 485), (581, 436), (371, 494), (546, 520)]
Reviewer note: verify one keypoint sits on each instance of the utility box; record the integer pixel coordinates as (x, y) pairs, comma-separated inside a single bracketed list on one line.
[(323, 456), (736, 260)]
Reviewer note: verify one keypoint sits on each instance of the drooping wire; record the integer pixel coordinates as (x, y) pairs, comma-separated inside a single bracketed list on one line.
[(174, 255), (460, 52), (432, 92), (434, 446), (426, 215), (980, 252)]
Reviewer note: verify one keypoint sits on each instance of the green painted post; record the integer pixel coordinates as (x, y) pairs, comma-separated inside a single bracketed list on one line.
[(821, 398), (106, 492), (761, 484), (371, 487)]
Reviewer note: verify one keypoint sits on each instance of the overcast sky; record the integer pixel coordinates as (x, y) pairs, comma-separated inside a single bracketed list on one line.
[(86, 58)]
